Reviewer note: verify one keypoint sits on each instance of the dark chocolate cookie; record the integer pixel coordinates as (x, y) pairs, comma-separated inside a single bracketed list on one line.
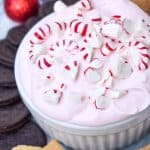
[(16, 34), (8, 53), (29, 134), (46, 8), (31, 22), (13, 117), (8, 96), (69, 2), (7, 78)]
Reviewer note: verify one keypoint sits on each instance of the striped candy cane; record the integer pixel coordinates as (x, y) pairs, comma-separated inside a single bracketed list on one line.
[(107, 49), (58, 27), (41, 34), (80, 27), (44, 61), (140, 54), (71, 69), (35, 51), (64, 44), (85, 5)]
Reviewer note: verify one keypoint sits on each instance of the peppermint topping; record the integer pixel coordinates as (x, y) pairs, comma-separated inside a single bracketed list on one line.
[(52, 96), (90, 47)]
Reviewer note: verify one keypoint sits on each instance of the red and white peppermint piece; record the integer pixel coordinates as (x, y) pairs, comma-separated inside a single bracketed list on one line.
[(117, 19), (102, 102), (76, 97), (86, 53), (107, 49), (80, 13), (121, 69), (71, 69), (59, 6), (47, 78), (52, 96), (63, 45), (80, 27), (112, 30), (58, 27), (96, 63), (95, 17), (139, 54), (44, 61), (107, 79), (41, 34), (35, 51), (91, 75), (85, 5), (95, 40)]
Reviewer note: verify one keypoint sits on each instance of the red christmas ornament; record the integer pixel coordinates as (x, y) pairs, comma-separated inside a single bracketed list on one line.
[(21, 10)]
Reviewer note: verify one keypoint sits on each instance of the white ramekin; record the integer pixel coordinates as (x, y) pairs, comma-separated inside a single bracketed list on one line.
[(108, 137)]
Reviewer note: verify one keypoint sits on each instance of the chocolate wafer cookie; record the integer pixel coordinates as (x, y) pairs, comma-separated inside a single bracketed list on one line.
[(8, 96), (12, 117), (32, 21), (8, 53), (29, 134), (7, 78), (16, 34), (69, 2), (46, 8)]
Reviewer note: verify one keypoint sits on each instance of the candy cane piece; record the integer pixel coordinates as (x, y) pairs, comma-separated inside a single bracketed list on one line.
[(80, 27), (58, 27), (107, 49), (107, 79), (85, 5), (91, 75), (95, 17), (71, 70), (112, 30), (44, 61), (102, 102), (95, 40), (35, 51), (86, 53), (41, 34), (96, 63), (140, 55), (121, 69), (59, 6), (52, 96)]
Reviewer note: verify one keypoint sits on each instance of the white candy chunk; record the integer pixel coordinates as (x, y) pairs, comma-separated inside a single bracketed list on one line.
[(95, 40), (76, 97), (59, 6), (52, 96), (109, 82), (96, 64), (115, 94), (122, 69), (129, 26), (97, 92), (36, 51), (92, 76), (71, 70), (102, 102), (112, 30)]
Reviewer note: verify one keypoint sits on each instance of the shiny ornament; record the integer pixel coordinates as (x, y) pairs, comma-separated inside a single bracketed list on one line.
[(21, 10)]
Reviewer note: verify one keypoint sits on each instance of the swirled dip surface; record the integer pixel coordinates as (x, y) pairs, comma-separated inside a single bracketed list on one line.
[(89, 63)]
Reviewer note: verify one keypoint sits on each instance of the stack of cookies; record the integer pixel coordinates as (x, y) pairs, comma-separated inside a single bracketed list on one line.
[(16, 127)]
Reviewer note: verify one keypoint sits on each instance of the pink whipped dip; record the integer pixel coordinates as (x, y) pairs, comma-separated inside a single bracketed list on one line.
[(89, 63)]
